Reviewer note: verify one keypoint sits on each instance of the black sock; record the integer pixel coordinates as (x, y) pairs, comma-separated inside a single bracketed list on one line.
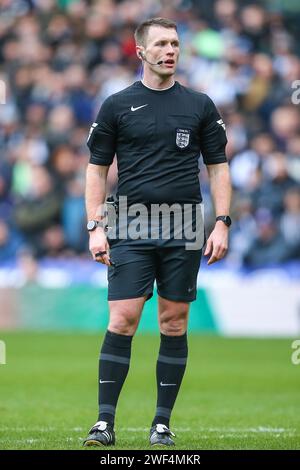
[(113, 368), (170, 369)]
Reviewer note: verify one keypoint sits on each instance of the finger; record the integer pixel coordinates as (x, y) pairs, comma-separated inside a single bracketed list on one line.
[(98, 258), (218, 253), (208, 247), (101, 253), (102, 256), (214, 255), (98, 251), (212, 259), (106, 260), (222, 253), (110, 263)]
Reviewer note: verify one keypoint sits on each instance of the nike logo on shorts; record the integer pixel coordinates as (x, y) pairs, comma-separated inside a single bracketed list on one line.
[(107, 381)]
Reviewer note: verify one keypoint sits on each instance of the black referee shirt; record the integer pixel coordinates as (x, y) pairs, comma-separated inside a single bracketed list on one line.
[(158, 137)]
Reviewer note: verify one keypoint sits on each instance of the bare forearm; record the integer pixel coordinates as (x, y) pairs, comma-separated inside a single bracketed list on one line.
[(220, 185), (95, 190)]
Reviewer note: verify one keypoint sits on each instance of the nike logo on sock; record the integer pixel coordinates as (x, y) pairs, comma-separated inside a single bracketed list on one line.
[(107, 381), (139, 107), (166, 385)]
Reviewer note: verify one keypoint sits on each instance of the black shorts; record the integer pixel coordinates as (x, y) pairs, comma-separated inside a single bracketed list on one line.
[(175, 270)]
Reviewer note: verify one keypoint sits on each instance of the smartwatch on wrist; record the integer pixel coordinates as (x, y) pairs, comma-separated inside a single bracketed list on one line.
[(225, 218)]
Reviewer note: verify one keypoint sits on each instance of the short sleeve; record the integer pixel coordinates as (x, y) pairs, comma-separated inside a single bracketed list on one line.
[(212, 135), (102, 136)]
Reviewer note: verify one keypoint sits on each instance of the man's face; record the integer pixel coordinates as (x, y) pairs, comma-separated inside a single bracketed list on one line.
[(162, 44)]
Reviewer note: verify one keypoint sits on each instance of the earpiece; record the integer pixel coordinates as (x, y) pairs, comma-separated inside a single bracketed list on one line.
[(142, 55)]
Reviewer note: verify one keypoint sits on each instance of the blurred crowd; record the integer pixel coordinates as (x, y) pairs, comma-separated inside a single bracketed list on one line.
[(60, 59)]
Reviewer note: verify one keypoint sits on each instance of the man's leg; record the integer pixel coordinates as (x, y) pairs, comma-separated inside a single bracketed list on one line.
[(114, 365), (130, 284), (171, 363), (176, 278), (115, 353)]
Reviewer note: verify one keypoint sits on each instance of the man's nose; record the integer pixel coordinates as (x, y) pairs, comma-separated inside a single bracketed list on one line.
[(170, 49)]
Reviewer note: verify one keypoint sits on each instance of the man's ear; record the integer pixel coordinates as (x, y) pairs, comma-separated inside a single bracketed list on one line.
[(140, 54)]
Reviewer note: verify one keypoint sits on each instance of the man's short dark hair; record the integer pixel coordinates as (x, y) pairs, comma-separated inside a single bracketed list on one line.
[(141, 31)]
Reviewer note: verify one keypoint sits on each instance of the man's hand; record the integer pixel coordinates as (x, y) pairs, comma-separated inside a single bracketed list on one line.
[(217, 243), (98, 243)]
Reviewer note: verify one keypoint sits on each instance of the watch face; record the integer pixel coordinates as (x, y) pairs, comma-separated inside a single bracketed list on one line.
[(91, 225), (227, 220)]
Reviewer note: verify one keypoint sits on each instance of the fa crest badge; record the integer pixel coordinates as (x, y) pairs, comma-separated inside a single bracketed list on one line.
[(182, 138)]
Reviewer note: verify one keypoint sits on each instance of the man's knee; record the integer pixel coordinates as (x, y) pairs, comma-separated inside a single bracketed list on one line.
[(124, 318), (173, 319)]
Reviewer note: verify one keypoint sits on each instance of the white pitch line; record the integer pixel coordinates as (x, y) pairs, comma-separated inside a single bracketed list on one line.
[(223, 430), (219, 430), (203, 436)]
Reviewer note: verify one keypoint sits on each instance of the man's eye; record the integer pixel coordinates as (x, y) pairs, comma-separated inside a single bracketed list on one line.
[(161, 44)]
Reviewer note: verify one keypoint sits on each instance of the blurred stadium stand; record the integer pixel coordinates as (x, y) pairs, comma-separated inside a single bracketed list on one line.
[(60, 59)]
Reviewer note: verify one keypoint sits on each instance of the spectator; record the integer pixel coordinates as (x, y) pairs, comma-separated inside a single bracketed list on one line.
[(269, 247), (39, 209), (10, 243), (73, 216), (269, 193), (290, 221)]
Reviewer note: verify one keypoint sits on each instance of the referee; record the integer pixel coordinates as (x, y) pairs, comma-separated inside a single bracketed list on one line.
[(157, 128)]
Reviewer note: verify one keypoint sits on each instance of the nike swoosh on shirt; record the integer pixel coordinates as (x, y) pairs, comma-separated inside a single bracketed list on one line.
[(139, 107), (107, 381), (166, 385)]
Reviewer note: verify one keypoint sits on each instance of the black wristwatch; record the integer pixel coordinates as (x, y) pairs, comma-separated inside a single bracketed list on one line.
[(93, 224), (225, 218)]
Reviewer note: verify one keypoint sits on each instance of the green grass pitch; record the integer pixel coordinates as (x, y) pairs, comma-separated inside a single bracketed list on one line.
[(236, 393)]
